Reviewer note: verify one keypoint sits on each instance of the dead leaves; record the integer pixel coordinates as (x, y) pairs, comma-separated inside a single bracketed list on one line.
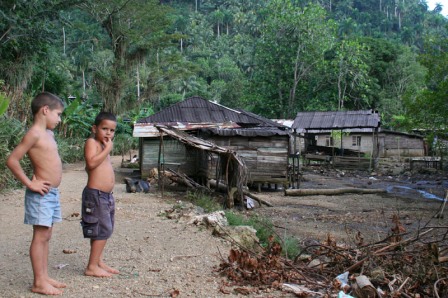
[(259, 270), (401, 265)]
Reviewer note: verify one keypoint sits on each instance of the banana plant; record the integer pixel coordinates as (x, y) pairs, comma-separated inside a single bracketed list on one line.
[(77, 119), (4, 103)]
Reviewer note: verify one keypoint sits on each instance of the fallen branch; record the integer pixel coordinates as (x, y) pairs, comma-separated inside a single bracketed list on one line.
[(259, 200), (223, 187), (333, 191), (385, 248), (173, 258), (185, 180), (436, 292)]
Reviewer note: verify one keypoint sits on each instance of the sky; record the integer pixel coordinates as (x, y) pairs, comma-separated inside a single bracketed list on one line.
[(432, 3)]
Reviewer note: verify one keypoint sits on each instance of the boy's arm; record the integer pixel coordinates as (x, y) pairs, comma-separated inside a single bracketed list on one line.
[(13, 163), (94, 154)]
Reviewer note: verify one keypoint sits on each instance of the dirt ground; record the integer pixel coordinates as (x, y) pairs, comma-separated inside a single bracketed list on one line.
[(157, 256), (415, 199)]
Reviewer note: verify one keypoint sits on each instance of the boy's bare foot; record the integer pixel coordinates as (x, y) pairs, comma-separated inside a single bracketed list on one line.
[(97, 272), (56, 283), (46, 289), (108, 268)]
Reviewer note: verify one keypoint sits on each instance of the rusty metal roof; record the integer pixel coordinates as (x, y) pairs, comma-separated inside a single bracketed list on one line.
[(305, 121), (246, 132), (196, 110)]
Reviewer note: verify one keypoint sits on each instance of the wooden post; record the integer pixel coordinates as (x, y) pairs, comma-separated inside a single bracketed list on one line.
[(159, 165), (218, 166), (342, 149), (371, 154), (230, 193)]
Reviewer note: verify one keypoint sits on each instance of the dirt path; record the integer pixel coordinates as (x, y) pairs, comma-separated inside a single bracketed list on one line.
[(155, 255)]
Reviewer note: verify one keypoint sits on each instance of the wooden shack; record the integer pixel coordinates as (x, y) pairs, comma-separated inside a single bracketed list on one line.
[(261, 143), (352, 138), (399, 144), (349, 131)]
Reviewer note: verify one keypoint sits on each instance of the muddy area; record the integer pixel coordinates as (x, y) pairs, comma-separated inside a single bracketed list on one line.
[(416, 199)]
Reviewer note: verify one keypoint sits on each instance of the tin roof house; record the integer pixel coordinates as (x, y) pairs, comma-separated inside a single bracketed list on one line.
[(262, 144), (352, 133), (338, 129)]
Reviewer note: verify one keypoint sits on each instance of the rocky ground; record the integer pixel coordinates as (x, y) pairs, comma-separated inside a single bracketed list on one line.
[(158, 257)]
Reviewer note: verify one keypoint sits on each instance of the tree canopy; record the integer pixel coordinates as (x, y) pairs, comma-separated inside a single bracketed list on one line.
[(274, 57)]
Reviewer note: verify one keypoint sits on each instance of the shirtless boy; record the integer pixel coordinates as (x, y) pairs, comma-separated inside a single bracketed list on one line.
[(42, 206), (98, 204)]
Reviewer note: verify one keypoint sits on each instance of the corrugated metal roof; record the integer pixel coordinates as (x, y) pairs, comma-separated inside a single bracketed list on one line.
[(199, 110), (336, 120), (248, 132), (347, 130)]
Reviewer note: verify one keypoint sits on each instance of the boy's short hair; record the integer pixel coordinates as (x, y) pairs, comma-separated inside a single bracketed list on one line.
[(104, 116), (46, 99)]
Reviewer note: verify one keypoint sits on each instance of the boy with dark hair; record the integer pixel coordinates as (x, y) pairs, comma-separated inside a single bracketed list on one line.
[(98, 204), (42, 205)]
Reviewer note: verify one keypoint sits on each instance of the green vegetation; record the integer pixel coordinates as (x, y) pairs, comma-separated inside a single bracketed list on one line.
[(274, 58), (204, 201), (265, 229), (11, 132), (263, 226), (71, 149)]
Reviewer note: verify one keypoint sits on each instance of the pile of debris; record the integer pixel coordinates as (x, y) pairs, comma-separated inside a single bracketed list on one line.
[(402, 265)]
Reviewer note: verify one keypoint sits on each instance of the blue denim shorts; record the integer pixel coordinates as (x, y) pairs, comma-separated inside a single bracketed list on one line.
[(98, 214), (42, 210)]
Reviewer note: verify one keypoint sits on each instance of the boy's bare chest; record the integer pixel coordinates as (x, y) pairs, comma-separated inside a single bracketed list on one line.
[(46, 146)]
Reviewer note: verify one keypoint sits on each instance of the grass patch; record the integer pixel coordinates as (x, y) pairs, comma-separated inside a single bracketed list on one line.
[(206, 202), (265, 229)]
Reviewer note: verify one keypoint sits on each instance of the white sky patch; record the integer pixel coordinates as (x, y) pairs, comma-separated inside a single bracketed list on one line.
[(432, 4)]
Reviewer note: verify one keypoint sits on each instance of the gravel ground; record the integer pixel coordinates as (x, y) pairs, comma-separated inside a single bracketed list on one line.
[(155, 256)]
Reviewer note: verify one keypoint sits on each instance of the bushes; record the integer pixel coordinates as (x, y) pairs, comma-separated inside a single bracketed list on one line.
[(124, 143), (71, 149), (11, 132)]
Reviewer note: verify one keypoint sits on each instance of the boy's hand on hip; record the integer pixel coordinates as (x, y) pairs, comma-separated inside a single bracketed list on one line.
[(40, 186)]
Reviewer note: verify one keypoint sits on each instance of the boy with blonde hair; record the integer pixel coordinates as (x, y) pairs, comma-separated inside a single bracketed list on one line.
[(98, 204), (42, 205)]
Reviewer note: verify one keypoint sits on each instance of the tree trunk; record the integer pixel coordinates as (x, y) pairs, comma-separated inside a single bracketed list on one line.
[(329, 192), (223, 187)]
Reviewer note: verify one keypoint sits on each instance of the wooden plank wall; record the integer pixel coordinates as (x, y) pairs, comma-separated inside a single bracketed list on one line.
[(402, 146), (351, 163), (174, 152), (265, 157)]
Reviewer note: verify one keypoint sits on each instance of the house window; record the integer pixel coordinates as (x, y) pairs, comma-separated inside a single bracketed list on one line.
[(356, 141), (329, 141)]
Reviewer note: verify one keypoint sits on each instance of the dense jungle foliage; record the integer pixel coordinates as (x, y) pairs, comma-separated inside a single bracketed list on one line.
[(271, 57)]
